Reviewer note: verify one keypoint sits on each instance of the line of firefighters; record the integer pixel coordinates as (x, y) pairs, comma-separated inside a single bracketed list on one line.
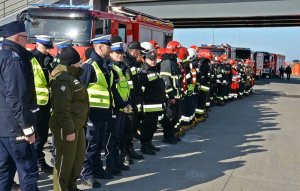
[(132, 90)]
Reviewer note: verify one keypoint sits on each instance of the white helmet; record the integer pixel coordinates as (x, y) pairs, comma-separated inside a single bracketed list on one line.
[(192, 54), (147, 46)]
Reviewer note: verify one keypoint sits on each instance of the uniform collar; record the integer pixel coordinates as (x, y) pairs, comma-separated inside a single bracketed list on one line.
[(75, 72), (20, 50)]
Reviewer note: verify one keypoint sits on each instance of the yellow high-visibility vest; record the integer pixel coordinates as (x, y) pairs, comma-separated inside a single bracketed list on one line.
[(40, 82), (122, 85), (99, 93)]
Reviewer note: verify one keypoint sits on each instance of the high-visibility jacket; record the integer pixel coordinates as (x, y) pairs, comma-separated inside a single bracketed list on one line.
[(100, 92), (122, 85), (40, 82)]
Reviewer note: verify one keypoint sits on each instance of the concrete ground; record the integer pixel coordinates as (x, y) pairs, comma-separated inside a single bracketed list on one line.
[(248, 145)]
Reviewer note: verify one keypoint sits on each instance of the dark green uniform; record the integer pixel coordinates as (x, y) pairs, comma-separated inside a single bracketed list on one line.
[(70, 112)]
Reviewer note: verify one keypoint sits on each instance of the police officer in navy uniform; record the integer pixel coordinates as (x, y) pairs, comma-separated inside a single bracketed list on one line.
[(18, 110), (103, 97), (41, 65), (121, 78)]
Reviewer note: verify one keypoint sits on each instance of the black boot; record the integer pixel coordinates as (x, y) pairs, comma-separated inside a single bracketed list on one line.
[(44, 167), (153, 147), (146, 149), (134, 155)]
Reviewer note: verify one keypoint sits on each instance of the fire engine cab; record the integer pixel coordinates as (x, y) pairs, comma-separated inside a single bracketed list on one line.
[(81, 24)]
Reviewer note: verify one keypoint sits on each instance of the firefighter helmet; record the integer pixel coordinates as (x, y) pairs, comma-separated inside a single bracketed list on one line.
[(222, 58), (232, 62), (160, 52), (182, 53), (173, 47), (248, 62), (192, 54), (195, 47), (147, 46), (154, 43), (205, 53)]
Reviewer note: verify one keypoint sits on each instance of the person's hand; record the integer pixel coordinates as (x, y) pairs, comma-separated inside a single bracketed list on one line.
[(130, 109), (172, 101), (125, 109), (70, 137), (30, 139)]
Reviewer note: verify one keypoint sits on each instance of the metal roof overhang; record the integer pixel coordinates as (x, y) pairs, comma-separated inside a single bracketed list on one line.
[(220, 13)]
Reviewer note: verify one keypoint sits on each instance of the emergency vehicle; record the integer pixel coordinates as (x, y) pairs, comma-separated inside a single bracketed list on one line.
[(217, 50), (81, 24), (240, 54), (263, 58), (277, 60)]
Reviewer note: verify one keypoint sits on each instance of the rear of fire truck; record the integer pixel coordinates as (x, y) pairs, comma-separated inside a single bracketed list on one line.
[(268, 65)]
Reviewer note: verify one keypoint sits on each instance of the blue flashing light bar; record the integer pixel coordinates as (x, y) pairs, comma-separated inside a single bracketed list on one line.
[(62, 6)]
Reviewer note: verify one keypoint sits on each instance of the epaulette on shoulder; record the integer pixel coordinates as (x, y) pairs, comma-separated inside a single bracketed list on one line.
[(89, 61), (15, 55)]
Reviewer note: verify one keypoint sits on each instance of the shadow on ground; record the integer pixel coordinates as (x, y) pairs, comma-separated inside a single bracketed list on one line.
[(208, 152)]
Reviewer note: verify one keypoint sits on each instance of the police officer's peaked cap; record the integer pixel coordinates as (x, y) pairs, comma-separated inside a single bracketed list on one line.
[(102, 40), (117, 47), (12, 28), (45, 40), (64, 44)]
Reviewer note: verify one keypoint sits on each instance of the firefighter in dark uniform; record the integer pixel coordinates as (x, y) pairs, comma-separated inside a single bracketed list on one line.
[(154, 99), (204, 87), (220, 83), (18, 110), (70, 103), (131, 64), (103, 96), (242, 73), (41, 65), (171, 74)]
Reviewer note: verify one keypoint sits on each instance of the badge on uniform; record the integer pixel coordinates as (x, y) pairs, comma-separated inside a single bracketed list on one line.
[(63, 88)]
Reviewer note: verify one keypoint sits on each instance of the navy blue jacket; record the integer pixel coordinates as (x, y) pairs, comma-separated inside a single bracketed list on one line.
[(18, 105)]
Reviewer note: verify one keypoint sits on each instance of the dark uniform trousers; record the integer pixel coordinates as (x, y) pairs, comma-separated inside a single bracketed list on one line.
[(43, 116), (98, 136), (117, 134), (170, 121), (149, 126), (17, 155)]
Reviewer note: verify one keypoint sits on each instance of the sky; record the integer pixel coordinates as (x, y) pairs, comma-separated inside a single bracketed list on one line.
[(281, 40)]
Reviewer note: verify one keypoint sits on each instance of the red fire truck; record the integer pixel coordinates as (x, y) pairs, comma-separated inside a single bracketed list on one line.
[(217, 50), (264, 58), (82, 24), (277, 60)]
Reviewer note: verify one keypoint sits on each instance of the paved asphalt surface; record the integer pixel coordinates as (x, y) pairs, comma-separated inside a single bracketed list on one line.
[(248, 145)]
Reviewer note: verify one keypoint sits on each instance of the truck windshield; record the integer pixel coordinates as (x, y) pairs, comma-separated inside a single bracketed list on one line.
[(217, 52), (243, 54), (61, 29)]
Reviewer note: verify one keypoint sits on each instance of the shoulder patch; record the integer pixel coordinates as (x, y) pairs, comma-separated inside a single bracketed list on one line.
[(63, 88)]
